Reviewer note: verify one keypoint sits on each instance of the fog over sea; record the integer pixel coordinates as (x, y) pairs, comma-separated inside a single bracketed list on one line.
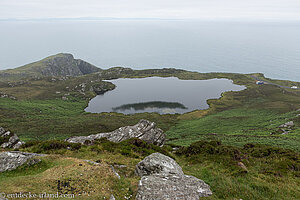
[(272, 48)]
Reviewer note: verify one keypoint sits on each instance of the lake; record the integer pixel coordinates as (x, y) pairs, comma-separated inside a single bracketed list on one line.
[(161, 95), (204, 46)]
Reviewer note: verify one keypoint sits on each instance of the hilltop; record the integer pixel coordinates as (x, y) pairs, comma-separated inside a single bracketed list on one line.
[(62, 64)]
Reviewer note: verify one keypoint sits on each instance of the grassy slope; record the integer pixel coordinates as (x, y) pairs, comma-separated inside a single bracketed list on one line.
[(236, 118), (270, 175), (237, 127)]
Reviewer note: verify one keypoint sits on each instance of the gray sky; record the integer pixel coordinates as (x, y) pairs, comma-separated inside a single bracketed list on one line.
[(175, 9)]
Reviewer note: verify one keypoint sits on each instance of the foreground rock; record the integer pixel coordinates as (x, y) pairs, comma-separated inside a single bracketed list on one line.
[(9, 140), (144, 130), (157, 163), (13, 159), (162, 178)]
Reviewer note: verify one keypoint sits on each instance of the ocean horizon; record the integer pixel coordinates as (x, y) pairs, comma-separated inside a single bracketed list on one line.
[(271, 48)]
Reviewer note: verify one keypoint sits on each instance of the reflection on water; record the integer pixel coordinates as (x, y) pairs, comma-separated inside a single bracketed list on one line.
[(161, 95), (167, 107)]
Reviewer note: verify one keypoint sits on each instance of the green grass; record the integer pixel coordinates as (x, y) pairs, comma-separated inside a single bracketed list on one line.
[(272, 173), (58, 119), (237, 127)]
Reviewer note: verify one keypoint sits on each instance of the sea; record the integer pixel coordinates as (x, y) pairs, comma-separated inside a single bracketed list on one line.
[(272, 48)]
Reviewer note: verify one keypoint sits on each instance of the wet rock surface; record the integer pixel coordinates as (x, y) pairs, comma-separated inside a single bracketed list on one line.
[(163, 179), (144, 130), (12, 159), (9, 140)]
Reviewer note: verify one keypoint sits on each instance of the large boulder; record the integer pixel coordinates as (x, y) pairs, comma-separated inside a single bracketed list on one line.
[(9, 140), (13, 159), (163, 179), (157, 163), (144, 130), (169, 187)]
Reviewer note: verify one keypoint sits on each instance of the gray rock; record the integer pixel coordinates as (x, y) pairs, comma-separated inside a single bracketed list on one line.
[(13, 159), (112, 197), (12, 140), (163, 179), (287, 125), (115, 172), (144, 130), (157, 163), (171, 187), (33, 161), (92, 162)]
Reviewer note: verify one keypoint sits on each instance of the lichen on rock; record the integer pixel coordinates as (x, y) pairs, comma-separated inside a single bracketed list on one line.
[(162, 178)]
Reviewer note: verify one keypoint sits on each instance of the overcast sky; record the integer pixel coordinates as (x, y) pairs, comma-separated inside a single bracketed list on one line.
[(165, 9)]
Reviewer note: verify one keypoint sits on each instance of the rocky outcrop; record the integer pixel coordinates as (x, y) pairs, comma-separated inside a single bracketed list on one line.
[(13, 159), (9, 140), (144, 130), (102, 87), (287, 125), (66, 65), (162, 178), (59, 65)]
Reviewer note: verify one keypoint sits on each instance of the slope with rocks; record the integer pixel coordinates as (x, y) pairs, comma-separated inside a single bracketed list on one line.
[(62, 64)]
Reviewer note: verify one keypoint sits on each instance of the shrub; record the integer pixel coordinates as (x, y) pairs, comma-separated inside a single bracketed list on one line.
[(4, 140), (46, 146)]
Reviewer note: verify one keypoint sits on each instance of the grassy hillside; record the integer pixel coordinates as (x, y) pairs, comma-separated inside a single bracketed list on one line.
[(238, 127), (47, 110)]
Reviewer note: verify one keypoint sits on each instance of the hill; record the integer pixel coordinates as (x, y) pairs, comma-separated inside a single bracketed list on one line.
[(57, 65)]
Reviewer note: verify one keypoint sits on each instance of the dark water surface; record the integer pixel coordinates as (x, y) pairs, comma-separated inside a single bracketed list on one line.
[(162, 95)]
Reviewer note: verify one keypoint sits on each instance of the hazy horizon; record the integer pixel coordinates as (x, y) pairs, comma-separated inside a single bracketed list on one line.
[(146, 9), (269, 48)]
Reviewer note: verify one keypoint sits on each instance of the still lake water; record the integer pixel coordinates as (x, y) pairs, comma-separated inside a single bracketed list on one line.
[(162, 95), (272, 48)]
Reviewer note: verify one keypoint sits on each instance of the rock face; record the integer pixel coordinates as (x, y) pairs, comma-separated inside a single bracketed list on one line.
[(62, 64), (9, 140), (66, 65), (162, 178), (144, 130), (13, 159)]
